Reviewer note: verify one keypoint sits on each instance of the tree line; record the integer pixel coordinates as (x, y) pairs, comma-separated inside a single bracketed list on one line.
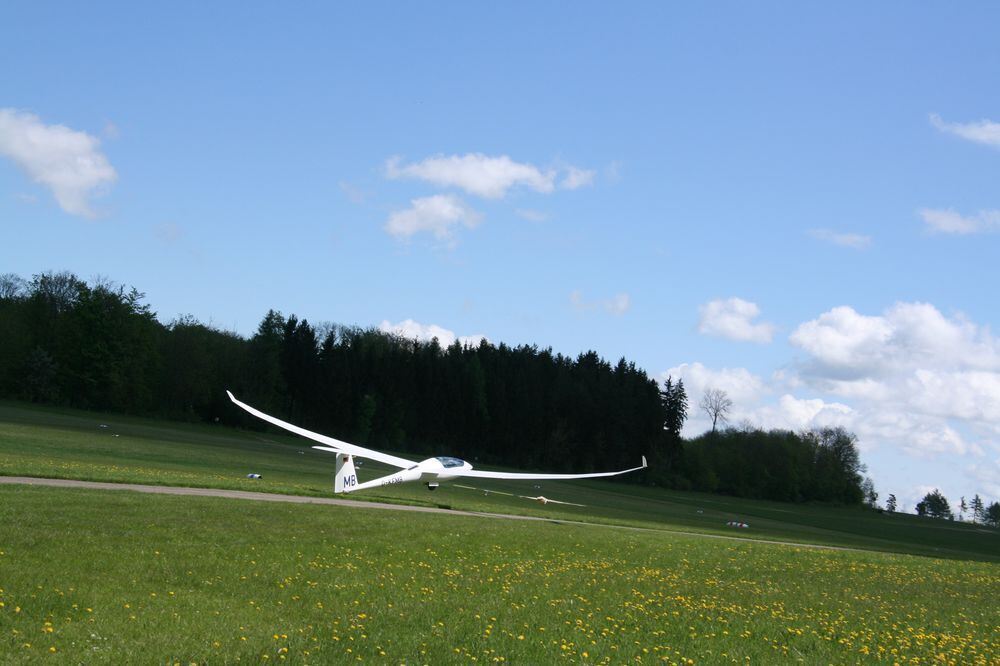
[(99, 346), (935, 505)]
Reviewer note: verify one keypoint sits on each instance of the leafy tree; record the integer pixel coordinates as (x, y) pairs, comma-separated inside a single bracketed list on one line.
[(934, 505), (890, 504), (838, 465), (868, 491), (717, 405)]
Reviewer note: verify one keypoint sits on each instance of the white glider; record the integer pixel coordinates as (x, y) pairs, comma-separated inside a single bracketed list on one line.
[(431, 471)]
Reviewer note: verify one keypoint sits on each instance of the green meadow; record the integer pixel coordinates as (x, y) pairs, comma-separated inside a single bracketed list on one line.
[(61, 443), (121, 577)]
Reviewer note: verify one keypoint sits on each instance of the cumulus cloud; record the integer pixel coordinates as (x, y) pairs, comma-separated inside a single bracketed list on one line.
[(68, 162), (791, 413), (916, 370), (947, 221), (478, 174), (743, 387), (853, 241), (844, 344), (427, 332), (732, 318), (486, 176), (617, 305), (984, 131), (439, 215)]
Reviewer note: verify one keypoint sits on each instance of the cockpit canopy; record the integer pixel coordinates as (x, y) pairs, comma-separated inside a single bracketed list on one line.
[(448, 462)]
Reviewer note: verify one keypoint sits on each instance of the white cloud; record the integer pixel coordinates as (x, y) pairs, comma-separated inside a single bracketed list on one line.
[(793, 413), (844, 344), (438, 214), (487, 176), (916, 371), (66, 161), (743, 387), (985, 132), (576, 178), (478, 174), (947, 221), (844, 340), (617, 305), (988, 475), (732, 318), (854, 241), (427, 332)]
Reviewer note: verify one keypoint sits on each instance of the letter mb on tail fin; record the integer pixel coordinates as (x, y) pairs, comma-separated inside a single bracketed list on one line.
[(346, 479)]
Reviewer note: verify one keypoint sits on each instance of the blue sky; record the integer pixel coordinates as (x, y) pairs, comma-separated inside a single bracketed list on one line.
[(796, 204)]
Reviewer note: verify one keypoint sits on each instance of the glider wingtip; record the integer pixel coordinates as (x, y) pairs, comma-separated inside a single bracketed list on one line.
[(230, 394), (644, 462)]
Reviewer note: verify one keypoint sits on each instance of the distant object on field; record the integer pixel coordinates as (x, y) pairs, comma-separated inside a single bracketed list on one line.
[(253, 476)]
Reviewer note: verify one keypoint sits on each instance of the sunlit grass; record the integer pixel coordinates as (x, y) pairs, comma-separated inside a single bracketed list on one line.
[(114, 577)]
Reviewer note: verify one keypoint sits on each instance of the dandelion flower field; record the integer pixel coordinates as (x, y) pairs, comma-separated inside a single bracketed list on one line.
[(119, 577)]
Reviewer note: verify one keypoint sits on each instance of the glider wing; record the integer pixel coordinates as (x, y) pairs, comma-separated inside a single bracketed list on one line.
[(330, 444), (525, 476)]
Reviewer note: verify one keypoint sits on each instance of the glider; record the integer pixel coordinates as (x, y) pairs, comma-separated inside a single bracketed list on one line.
[(431, 471)]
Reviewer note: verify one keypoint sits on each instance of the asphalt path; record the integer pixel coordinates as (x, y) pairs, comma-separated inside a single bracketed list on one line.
[(361, 504)]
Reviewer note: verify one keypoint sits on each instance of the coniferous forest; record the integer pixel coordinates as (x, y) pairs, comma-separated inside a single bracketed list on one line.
[(98, 346)]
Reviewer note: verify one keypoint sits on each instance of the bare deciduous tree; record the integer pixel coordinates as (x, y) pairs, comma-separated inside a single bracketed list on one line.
[(12, 286), (716, 404)]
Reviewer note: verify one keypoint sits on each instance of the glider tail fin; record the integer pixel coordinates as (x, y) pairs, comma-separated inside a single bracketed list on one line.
[(346, 479)]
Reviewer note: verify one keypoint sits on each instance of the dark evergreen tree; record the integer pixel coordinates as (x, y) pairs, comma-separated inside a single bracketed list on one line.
[(992, 515), (890, 504), (977, 509), (673, 397)]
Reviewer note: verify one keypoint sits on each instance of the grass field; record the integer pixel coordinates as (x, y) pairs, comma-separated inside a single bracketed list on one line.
[(81, 445), (117, 577)]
